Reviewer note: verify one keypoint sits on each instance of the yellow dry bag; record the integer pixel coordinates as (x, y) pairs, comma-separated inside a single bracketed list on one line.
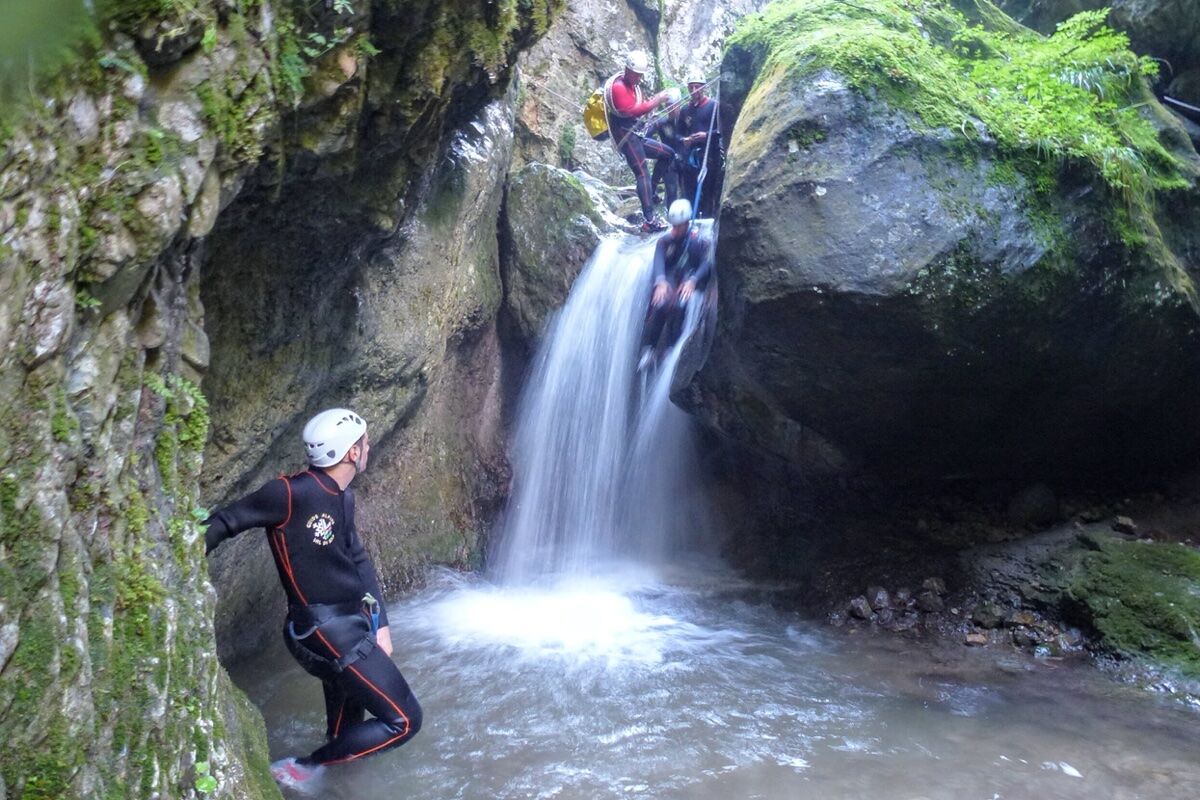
[(595, 120)]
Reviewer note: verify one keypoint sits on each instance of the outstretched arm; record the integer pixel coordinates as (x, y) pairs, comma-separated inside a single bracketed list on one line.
[(659, 276), (267, 506), (625, 100)]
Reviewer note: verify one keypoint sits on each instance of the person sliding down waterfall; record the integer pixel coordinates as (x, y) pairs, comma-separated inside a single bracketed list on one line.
[(683, 263), (337, 626), (624, 105)]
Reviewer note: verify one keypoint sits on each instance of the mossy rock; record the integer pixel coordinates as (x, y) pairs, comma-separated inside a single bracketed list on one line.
[(551, 228), (953, 247), (1142, 599)]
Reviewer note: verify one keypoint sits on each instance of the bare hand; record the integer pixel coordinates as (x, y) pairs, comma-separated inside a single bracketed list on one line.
[(686, 291), (383, 638), (660, 294)]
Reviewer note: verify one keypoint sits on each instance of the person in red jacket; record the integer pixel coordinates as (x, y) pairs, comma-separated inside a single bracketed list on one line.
[(624, 105)]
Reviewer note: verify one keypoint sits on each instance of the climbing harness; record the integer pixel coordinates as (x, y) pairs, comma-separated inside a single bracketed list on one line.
[(597, 110), (351, 618), (372, 606)]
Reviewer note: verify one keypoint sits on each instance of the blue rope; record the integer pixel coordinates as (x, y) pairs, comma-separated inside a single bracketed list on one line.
[(707, 144)]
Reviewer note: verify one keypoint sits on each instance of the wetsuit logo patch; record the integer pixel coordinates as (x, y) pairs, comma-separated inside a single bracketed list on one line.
[(322, 527)]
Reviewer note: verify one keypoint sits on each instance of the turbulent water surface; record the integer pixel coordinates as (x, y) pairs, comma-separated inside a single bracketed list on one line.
[(692, 686), (592, 664)]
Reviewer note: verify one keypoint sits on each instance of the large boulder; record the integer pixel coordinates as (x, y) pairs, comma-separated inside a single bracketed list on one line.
[(926, 273)]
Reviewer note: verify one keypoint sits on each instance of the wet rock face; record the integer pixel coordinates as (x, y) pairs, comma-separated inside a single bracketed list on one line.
[(369, 277), (888, 304), (551, 227), (406, 336), (104, 600), (118, 190)]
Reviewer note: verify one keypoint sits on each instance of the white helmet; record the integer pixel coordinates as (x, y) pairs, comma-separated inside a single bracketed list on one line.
[(679, 212), (674, 95), (695, 75), (328, 435), (637, 61)]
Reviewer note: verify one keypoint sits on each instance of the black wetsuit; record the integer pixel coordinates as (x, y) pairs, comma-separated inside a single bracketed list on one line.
[(676, 261), (666, 170), (696, 119), (326, 572)]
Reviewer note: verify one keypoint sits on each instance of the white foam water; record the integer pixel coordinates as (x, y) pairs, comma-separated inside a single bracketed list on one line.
[(603, 463)]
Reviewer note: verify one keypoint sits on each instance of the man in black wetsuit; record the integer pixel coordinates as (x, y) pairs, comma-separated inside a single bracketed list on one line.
[(683, 263), (668, 131), (337, 627), (700, 115)]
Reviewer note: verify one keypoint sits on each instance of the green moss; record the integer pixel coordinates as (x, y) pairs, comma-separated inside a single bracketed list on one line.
[(236, 119), (1070, 97), (39, 42), (63, 425), (138, 592), (1143, 598), (959, 279), (129, 14), (248, 735), (52, 764), (136, 512), (20, 529), (43, 768), (566, 144)]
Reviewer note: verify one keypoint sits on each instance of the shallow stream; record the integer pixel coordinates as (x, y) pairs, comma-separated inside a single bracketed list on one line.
[(693, 685)]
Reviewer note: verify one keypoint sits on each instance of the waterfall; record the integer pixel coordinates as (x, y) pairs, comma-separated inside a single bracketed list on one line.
[(604, 466)]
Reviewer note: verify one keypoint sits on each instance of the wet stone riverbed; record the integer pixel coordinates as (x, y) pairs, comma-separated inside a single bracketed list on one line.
[(694, 686)]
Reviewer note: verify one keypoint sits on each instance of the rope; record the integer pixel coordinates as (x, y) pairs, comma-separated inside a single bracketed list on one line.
[(570, 103), (1181, 104), (654, 116), (707, 145)]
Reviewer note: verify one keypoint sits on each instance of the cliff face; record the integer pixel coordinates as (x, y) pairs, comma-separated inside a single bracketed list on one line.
[(131, 190), (587, 44)]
